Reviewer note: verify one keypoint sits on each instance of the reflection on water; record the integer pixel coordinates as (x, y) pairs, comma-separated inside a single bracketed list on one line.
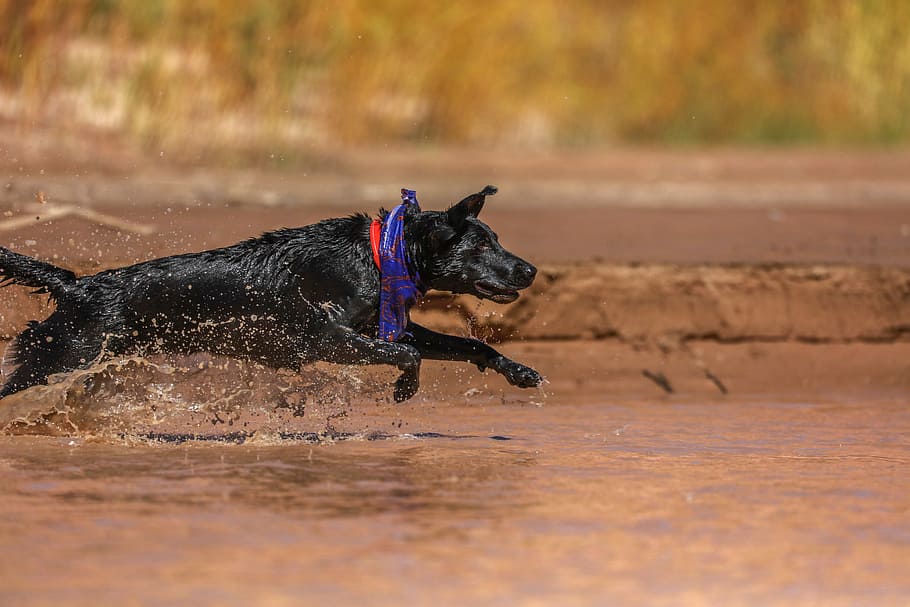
[(657, 503), (292, 480)]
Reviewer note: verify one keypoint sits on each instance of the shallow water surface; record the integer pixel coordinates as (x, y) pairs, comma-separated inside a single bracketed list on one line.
[(584, 502)]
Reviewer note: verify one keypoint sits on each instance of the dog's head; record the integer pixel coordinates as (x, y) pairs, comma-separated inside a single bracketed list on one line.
[(457, 252)]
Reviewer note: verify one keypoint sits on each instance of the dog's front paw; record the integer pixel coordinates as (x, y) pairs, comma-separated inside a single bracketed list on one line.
[(518, 374), (406, 385)]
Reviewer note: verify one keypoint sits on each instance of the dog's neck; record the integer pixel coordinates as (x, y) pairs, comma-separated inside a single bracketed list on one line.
[(400, 284), (412, 250)]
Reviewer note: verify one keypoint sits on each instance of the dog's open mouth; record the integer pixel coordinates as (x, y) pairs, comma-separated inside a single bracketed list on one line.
[(497, 293)]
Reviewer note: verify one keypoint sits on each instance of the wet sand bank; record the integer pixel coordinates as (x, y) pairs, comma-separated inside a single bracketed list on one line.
[(220, 397)]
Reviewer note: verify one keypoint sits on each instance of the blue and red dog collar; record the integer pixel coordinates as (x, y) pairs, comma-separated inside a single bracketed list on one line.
[(399, 280)]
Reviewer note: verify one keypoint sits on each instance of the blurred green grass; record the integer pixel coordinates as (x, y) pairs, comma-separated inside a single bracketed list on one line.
[(283, 74)]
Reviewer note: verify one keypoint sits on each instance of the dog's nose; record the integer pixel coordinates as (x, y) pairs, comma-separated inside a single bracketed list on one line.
[(526, 272)]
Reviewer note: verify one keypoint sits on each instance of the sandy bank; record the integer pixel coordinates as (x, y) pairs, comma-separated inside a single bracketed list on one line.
[(659, 304), (769, 332)]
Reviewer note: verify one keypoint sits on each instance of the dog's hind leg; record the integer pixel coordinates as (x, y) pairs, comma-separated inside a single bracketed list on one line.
[(33, 366), (44, 349), (341, 345), (28, 374)]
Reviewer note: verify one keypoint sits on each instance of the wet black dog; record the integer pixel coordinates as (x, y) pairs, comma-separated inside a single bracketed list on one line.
[(288, 297)]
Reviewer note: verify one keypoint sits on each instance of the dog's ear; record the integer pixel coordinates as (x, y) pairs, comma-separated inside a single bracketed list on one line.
[(441, 236), (469, 207)]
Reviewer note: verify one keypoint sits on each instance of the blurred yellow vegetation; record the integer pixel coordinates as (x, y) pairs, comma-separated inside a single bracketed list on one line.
[(230, 73)]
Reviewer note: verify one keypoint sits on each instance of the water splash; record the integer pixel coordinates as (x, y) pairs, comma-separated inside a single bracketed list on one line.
[(197, 395)]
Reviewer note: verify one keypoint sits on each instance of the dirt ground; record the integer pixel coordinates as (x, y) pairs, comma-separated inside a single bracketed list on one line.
[(726, 336)]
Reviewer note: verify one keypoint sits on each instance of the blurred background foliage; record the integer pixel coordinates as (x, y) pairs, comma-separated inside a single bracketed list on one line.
[(280, 73)]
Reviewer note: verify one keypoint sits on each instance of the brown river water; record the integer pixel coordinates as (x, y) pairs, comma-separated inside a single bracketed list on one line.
[(316, 488)]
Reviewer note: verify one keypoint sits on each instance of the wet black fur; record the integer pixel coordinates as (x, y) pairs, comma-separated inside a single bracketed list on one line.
[(288, 297)]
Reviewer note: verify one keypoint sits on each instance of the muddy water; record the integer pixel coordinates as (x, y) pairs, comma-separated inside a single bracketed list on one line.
[(484, 498)]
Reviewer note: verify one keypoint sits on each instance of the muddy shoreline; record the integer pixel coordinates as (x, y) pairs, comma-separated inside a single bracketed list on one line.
[(658, 304), (649, 330), (725, 421)]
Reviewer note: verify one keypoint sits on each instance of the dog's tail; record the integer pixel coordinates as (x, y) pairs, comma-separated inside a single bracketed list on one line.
[(19, 269)]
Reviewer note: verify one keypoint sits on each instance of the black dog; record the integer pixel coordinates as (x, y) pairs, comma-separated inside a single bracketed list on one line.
[(288, 297)]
